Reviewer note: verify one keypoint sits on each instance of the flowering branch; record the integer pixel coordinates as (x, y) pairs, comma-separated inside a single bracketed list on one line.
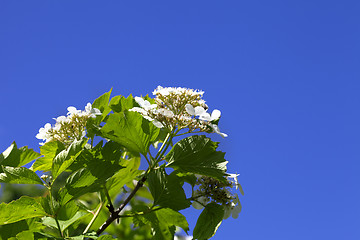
[(128, 128)]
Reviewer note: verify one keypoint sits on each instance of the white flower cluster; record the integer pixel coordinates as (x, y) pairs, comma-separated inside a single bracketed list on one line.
[(211, 188), (68, 128), (179, 107)]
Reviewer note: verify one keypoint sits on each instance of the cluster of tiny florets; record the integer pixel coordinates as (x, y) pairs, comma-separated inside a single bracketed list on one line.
[(211, 189), (181, 108), (68, 128), (214, 189)]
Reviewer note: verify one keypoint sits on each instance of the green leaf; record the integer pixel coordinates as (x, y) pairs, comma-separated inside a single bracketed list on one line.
[(64, 224), (15, 157), (11, 230), (130, 130), (23, 208), (102, 103), (160, 229), (121, 104), (197, 154), (100, 165), (28, 235), (171, 217), (49, 150), (19, 175), (66, 157), (167, 190), (163, 222), (187, 177), (124, 175), (208, 221)]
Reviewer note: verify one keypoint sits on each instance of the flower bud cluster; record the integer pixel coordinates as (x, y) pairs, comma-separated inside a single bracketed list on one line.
[(211, 189), (181, 108), (68, 128)]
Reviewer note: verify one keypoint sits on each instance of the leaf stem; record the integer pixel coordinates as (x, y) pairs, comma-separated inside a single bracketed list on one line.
[(58, 225), (94, 217), (163, 145), (110, 206), (53, 211), (141, 213)]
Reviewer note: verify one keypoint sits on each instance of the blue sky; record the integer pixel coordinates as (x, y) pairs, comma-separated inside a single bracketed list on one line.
[(285, 75)]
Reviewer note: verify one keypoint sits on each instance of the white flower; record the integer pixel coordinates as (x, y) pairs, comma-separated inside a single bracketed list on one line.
[(44, 133), (72, 110), (145, 108), (176, 90), (139, 110), (157, 124), (215, 115), (145, 104), (61, 119), (165, 112), (60, 131), (92, 112), (201, 112), (200, 202), (233, 209), (197, 111), (234, 176), (217, 130)]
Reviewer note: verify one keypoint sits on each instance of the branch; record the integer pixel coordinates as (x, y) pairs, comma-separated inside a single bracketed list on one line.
[(115, 214)]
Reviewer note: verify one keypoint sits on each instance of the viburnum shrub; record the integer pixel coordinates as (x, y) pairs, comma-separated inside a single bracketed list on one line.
[(89, 163)]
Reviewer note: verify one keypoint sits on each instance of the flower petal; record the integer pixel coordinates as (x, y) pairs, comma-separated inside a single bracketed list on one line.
[(215, 115), (190, 109)]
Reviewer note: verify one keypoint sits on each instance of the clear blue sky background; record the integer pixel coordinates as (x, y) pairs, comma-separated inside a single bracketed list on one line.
[(285, 75)]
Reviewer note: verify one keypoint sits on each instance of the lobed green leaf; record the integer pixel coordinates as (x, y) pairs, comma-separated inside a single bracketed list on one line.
[(130, 130), (16, 157), (19, 175), (197, 154), (121, 104), (100, 164), (49, 150), (66, 157), (23, 208)]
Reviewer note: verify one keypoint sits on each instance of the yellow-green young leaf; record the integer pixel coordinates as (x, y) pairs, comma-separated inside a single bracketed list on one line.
[(23, 208), (130, 130), (66, 157), (208, 221), (102, 103), (121, 104), (49, 150), (19, 175), (16, 157), (28, 235), (197, 154)]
